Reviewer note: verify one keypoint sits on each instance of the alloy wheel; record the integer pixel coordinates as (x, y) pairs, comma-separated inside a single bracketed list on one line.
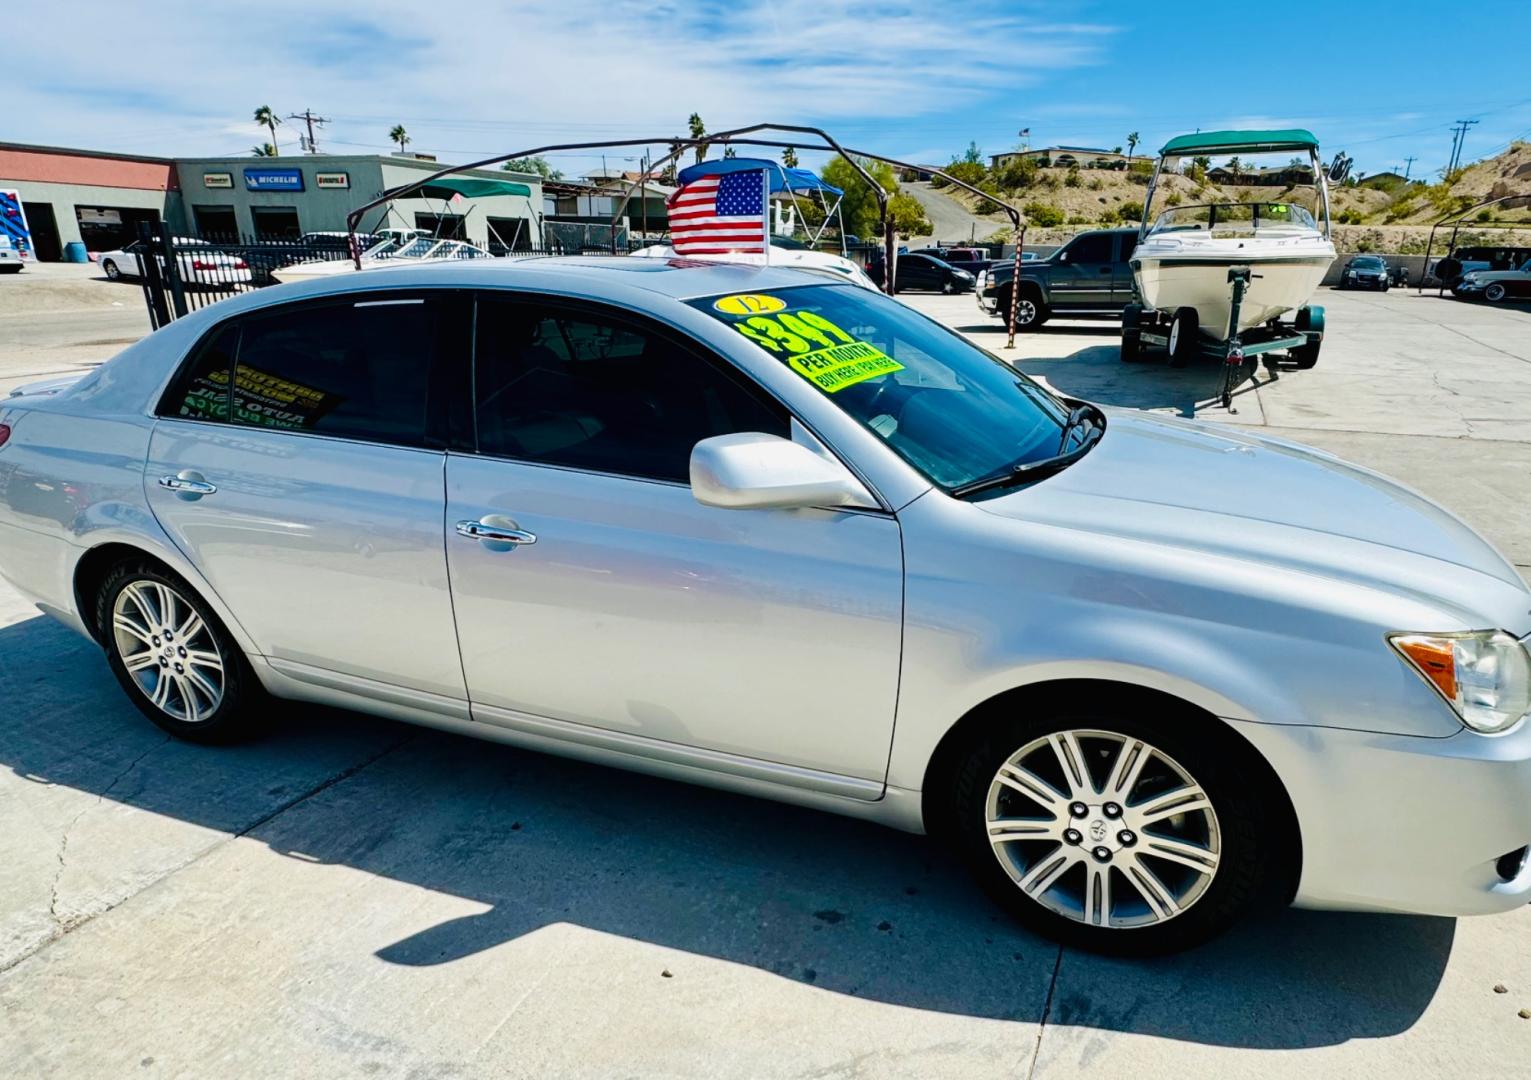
[(1025, 312), (168, 651), (1103, 829)]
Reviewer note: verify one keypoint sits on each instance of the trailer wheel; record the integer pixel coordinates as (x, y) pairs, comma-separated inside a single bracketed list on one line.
[(1132, 333), (1182, 344), (1310, 320)]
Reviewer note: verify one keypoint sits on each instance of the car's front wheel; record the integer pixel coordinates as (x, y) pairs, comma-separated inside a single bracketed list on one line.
[(109, 268), (1102, 830), (1495, 292), (173, 656)]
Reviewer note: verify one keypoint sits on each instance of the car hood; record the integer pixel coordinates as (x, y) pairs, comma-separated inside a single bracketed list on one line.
[(1228, 492), (1498, 275)]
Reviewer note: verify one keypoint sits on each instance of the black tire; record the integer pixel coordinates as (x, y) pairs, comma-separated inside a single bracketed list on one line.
[(1251, 853), (1309, 320), (109, 268), (1183, 330), (1030, 311), (236, 714), (1448, 270), (1496, 292), (1132, 334)]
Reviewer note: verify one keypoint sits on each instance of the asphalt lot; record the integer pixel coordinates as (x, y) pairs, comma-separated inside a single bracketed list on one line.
[(350, 897)]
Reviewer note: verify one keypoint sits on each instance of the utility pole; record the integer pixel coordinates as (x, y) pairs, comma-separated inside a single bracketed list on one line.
[(1408, 164), (308, 117), (1456, 145)]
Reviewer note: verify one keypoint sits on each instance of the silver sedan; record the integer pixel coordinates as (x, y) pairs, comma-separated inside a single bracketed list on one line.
[(748, 527)]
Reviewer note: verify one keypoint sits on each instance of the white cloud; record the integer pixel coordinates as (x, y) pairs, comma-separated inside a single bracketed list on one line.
[(183, 76)]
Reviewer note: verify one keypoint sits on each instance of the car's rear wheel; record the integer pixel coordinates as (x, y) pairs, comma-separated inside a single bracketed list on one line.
[(1495, 292), (109, 268), (1107, 831), (173, 656)]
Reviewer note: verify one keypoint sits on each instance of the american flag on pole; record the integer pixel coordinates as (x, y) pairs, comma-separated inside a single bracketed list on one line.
[(715, 215)]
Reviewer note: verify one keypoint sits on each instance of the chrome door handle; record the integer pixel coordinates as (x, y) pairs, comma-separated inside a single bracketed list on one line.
[(494, 534), (188, 485)]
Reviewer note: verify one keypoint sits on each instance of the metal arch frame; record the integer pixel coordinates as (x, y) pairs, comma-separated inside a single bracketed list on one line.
[(678, 146), (1456, 220)]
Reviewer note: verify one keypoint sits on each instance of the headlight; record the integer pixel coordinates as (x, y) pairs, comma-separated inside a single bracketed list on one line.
[(983, 278), (1484, 675), (963, 275)]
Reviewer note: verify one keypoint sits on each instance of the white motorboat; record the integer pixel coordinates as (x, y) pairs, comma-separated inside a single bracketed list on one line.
[(1186, 259)]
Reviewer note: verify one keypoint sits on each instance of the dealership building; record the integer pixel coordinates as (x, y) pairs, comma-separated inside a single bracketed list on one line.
[(99, 199)]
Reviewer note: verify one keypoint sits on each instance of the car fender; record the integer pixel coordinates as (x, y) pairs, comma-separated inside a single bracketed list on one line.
[(125, 525)]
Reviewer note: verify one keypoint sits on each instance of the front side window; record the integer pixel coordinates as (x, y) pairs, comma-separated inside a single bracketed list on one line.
[(945, 406), (356, 369), (574, 387), (1091, 248)]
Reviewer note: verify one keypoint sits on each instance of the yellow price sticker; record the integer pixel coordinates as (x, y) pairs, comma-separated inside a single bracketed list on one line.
[(839, 366), (749, 304)]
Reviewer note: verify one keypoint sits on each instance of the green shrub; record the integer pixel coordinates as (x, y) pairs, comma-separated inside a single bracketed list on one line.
[(1096, 183), (1485, 214), (1078, 219), (1072, 177), (1017, 174), (1129, 211), (1043, 214), (1173, 199)]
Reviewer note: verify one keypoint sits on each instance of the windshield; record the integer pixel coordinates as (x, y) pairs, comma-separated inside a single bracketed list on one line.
[(1233, 218), (945, 406), (1367, 263)]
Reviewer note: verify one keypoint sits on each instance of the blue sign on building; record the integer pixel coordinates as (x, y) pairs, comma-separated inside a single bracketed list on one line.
[(273, 179)]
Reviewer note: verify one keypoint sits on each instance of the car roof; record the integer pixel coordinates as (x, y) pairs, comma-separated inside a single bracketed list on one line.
[(611, 278)]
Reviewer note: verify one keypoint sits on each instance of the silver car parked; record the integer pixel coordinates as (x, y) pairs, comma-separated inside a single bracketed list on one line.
[(751, 528)]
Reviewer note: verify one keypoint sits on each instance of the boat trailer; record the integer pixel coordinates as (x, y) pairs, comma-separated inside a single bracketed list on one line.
[(1300, 339)]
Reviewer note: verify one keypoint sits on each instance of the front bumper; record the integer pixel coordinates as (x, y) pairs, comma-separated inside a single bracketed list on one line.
[(1405, 824), (986, 303)]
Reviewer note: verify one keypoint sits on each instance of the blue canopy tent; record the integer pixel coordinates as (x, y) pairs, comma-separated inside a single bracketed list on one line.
[(783, 180)]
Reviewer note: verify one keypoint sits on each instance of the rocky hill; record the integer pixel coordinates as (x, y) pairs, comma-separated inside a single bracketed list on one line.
[(1393, 217)]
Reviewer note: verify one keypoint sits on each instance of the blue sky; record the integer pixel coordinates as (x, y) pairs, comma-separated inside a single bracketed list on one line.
[(1381, 81)]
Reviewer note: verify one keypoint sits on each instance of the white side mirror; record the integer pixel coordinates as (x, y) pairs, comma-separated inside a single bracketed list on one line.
[(755, 471)]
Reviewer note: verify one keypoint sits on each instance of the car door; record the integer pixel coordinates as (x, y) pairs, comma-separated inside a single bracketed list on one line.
[(293, 465), (917, 272), (1082, 275), (596, 598)]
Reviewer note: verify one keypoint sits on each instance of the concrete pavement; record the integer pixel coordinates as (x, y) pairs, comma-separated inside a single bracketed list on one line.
[(350, 897)]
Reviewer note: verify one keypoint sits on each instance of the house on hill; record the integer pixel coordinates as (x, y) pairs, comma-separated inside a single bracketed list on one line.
[(1061, 157)]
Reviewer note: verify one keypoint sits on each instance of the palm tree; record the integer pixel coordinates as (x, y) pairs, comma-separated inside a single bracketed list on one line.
[(269, 120), (1235, 167), (399, 135), (789, 158), (698, 129), (1132, 142), (263, 150)]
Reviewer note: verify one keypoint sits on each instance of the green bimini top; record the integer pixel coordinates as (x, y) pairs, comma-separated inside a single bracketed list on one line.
[(1234, 142), (472, 187)]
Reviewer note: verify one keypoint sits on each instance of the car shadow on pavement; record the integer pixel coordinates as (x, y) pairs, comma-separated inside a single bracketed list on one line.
[(843, 906)]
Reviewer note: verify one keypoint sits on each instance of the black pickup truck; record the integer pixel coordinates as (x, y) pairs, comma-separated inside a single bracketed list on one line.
[(1086, 278)]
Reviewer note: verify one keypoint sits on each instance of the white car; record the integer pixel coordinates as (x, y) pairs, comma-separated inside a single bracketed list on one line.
[(200, 263), (10, 258), (821, 262)]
